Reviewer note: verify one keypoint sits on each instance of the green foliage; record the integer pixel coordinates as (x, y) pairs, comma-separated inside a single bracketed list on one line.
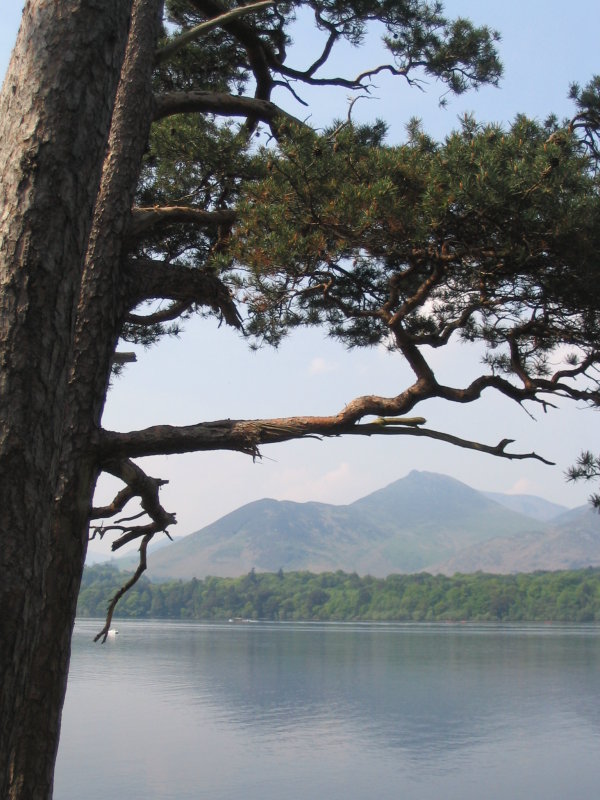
[(489, 236), (203, 161), (567, 596), (497, 229), (587, 467)]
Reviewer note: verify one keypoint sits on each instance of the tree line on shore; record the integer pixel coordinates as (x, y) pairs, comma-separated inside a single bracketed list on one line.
[(565, 596)]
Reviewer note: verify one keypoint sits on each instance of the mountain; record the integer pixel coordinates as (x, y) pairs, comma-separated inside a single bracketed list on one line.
[(423, 522), (529, 504), (571, 541), (426, 515), (266, 534)]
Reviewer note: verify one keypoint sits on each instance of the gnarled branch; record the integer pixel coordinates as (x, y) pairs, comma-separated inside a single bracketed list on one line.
[(115, 507), (247, 436), (137, 485), (141, 568), (260, 55), (226, 105), (148, 279), (165, 52), (146, 488)]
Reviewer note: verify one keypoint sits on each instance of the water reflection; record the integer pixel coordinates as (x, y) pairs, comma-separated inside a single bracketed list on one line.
[(335, 707)]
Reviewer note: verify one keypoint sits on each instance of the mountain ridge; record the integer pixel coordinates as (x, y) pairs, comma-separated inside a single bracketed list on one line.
[(422, 522)]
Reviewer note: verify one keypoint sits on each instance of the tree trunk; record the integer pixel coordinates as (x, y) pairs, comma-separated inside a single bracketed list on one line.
[(56, 108)]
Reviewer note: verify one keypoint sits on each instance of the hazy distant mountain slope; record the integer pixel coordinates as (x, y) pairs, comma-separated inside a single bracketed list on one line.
[(572, 541), (408, 526), (266, 535), (528, 504), (437, 504), (582, 515), (428, 517)]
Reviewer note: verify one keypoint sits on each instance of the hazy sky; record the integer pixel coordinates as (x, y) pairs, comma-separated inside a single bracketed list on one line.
[(210, 374)]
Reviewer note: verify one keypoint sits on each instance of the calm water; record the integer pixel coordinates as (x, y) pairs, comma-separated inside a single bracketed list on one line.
[(326, 712)]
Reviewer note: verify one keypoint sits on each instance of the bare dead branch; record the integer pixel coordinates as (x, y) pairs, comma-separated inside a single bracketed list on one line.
[(123, 358), (117, 505), (203, 28), (125, 588), (142, 486), (259, 52), (145, 219), (494, 450), (119, 522), (247, 436)]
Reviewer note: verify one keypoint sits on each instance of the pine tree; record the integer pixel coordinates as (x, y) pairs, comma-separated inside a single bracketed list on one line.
[(130, 172)]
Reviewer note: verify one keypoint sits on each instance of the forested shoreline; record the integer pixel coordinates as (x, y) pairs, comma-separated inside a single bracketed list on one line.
[(565, 596)]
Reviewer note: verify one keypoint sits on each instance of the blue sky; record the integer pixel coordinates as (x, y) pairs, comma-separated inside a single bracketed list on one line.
[(210, 373)]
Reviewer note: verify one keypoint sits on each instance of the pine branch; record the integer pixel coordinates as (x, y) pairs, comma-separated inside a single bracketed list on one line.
[(591, 360), (174, 311), (247, 436), (260, 55), (165, 52), (226, 105), (120, 358), (145, 219), (151, 280)]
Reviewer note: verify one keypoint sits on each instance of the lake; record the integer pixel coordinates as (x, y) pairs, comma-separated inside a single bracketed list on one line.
[(264, 711)]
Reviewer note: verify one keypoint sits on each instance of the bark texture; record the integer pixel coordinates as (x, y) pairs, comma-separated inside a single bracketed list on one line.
[(56, 109)]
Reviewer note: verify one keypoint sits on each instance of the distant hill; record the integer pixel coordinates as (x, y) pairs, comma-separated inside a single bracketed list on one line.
[(529, 504), (570, 541), (423, 522)]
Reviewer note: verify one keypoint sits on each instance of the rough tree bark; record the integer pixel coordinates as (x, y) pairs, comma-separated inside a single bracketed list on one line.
[(56, 109)]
